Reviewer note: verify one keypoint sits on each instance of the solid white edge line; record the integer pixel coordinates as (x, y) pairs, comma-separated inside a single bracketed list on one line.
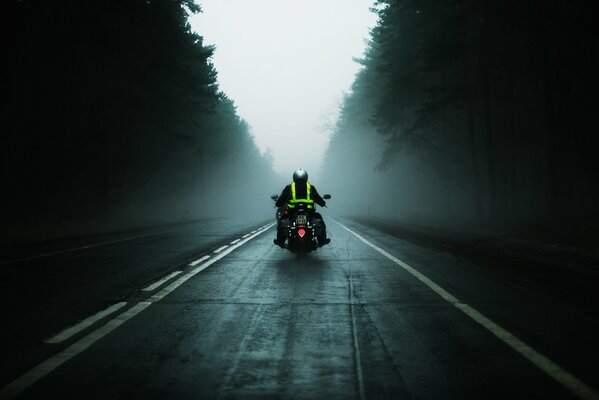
[(567, 379), (220, 249), (49, 365), (235, 241), (199, 260), (45, 367), (86, 323), (161, 281), (178, 282)]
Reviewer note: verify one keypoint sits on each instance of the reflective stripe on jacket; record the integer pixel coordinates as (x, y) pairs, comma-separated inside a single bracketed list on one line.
[(294, 200)]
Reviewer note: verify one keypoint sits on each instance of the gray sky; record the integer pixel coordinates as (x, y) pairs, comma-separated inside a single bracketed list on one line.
[(286, 64)]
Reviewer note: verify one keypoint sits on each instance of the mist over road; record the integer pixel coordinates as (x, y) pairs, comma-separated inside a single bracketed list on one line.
[(136, 248), (215, 310)]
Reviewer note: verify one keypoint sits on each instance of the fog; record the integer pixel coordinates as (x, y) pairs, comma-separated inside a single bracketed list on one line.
[(287, 64), (463, 117), (115, 120), (456, 114)]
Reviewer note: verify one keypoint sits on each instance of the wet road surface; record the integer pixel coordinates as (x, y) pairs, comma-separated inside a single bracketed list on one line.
[(369, 316)]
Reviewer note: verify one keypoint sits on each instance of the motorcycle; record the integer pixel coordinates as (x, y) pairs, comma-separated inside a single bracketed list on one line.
[(301, 226)]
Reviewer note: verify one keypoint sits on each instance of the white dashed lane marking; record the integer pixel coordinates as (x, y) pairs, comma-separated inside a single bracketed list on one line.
[(45, 367), (86, 323), (199, 260), (161, 281), (220, 249)]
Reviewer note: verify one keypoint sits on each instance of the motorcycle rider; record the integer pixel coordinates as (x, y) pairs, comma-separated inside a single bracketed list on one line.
[(301, 191)]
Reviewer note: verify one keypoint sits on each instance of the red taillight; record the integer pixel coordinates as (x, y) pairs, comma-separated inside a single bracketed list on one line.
[(301, 232), (285, 212)]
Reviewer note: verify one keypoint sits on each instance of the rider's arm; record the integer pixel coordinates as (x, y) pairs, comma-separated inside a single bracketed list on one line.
[(282, 200), (316, 197)]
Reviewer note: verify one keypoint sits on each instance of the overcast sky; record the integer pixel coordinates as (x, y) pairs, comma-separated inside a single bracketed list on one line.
[(286, 64)]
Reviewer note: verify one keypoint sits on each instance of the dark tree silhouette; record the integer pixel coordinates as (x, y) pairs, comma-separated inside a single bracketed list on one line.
[(112, 112), (478, 112)]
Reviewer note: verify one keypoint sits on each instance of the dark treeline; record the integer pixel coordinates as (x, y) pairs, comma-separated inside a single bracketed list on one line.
[(474, 112), (111, 112)]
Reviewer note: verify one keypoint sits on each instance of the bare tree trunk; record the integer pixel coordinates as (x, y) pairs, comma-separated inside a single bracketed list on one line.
[(510, 126), (469, 104), (554, 81), (487, 117), (198, 175)]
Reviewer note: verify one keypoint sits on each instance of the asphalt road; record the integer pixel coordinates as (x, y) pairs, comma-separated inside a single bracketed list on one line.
[(366, 317)]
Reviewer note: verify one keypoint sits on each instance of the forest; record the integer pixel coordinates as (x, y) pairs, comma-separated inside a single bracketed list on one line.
[(476, 115), (112, 118), (466, 114)]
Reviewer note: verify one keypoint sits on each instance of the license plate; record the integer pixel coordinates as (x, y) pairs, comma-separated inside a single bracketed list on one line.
[(302, 220)]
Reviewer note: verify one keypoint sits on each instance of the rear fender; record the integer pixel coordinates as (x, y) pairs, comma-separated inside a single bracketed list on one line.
[(298, 244)]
